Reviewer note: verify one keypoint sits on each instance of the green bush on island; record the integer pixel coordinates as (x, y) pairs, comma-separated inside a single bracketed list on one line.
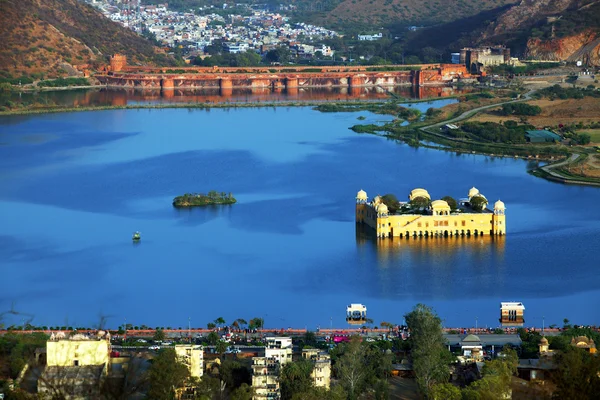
[(199, 199)]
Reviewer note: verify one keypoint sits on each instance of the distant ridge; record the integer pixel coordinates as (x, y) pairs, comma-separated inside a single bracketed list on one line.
[(46, 37)]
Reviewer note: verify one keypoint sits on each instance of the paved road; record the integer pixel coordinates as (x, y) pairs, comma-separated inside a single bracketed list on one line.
[(472, 112), (548, 168)]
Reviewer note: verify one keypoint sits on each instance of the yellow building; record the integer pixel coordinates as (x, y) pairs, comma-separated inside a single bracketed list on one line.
[(193, 357), (321, 373), (265, 378), (78, 350), (76, 366), (426, 218)]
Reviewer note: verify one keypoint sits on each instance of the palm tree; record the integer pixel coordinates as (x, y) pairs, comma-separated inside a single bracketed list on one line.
[(220, 321), (241, 322), (221, 347)]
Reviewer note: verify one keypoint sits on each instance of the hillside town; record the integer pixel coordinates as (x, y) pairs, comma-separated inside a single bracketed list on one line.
[(258, 29)]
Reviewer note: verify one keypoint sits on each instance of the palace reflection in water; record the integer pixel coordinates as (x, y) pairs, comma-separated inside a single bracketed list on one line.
[(390, 250)]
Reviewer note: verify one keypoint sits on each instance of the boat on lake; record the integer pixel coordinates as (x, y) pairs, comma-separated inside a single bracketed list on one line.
[(136, 237)]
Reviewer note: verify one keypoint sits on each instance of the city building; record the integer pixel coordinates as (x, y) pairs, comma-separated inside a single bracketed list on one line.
[(265, 378), (477, 58), (432, 218), (76, 366), (193, 357), (356, 313), (279, 348), (512, 313), (370, 38), (455, 58), (321, 373)]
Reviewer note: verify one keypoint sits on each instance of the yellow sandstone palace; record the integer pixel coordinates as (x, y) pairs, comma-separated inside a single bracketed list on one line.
[(421, 217)]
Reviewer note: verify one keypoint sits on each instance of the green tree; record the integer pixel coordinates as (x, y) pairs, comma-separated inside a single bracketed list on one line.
[(221, 347), (166, 374), (478, 202), (212, 338), (295, 378), (241, 322), (420, 202), (256, 323), (391, 201), (159, 335), (451, 202), (351, 368), (428, 348), (219, 321), (234, 374), (576, 376), (445, 391), (244, 392)]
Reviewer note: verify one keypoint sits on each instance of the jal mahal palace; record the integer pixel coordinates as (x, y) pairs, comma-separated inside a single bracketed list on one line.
[(435, 220)]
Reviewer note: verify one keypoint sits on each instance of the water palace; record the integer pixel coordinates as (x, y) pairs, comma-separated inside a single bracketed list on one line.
[(436, 219)]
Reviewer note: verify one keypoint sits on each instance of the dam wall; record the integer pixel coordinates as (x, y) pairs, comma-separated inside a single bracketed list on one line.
[(226, 79)]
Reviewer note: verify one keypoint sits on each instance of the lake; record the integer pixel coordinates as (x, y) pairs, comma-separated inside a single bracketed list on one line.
[(75, 186)]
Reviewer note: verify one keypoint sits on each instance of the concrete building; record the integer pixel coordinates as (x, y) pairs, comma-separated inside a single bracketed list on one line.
[(512, 313), (279, 348), (321, 373), (477, 58), (78, 350), (75, 366), (265, 378), (193, 357), (435, 219)]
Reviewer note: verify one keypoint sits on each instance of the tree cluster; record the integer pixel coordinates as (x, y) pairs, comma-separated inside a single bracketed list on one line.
[(521, 109), (493, 132)]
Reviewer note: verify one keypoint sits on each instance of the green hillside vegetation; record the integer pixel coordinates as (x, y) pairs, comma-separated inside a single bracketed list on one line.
[(44, 38), (571, 22)]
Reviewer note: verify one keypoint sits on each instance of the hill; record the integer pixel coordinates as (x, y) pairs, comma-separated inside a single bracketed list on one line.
[(552, 30), (409, 12), (45, 38)]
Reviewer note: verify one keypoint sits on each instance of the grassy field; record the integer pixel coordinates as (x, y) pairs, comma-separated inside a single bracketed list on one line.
[(554, 112), (594, 134)]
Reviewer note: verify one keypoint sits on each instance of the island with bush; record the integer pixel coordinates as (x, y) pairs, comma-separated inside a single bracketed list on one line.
[(199, 199)]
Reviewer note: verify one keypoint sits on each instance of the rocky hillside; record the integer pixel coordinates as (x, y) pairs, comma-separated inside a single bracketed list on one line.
[(45, 38), (553, 30)]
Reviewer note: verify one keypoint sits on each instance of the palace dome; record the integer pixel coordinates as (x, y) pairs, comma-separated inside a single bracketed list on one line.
[(361, 195), (471, 338), (377, 200), (382, 209), (544, 341), (499, 205), (473, 192), (439, 204), (419, 193)]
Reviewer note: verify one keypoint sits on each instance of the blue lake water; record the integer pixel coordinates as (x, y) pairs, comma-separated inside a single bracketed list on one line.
[(73, 188)]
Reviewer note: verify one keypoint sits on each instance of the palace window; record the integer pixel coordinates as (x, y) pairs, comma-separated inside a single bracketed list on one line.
[(464, 223), (419, 224)]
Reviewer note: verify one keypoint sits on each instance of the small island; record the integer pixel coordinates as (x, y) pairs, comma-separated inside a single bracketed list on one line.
[(199, 199)]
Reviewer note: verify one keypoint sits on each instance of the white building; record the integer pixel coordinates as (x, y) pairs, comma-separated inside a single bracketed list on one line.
[(279, 348)]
